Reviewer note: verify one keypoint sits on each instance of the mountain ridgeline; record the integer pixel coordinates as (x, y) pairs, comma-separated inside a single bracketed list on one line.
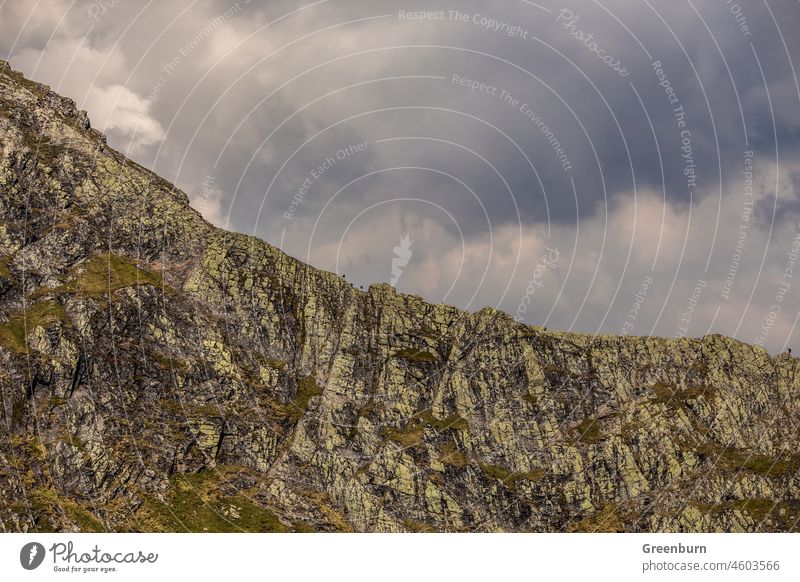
[(160, 374)]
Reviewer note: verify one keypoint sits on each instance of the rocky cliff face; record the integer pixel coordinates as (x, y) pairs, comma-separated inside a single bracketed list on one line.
[(158, 374)]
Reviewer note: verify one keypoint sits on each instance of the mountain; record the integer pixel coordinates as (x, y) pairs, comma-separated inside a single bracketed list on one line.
[(160, 374)]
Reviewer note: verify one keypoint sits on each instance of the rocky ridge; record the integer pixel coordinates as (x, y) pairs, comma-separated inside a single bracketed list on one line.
[(159, 374)]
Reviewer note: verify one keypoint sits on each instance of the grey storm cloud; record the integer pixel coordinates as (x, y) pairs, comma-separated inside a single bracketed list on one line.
[(644, 141)]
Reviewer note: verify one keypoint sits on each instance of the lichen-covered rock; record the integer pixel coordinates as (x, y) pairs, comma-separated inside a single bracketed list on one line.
[(158, 374)]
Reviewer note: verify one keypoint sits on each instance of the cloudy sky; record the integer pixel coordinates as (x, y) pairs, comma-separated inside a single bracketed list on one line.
[(602, 166)]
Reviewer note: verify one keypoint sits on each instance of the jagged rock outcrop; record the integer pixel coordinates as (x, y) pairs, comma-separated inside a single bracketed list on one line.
[(159, 374)]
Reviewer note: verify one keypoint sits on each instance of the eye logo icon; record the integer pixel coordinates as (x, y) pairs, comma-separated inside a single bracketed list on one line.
[(32, 555)]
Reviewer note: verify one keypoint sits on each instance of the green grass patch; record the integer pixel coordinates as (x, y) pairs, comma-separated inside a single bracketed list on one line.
[(307, 388), (588, 431), (414, 430), (414, 526), (671, 395), (333, 516), (417, 356), (4, 271), (195, 503), (511, 479), (365, 412), (409, 436), (169, 362), (108, 273), (607, 520), (72, 440), (274, 363), (14, 332), (736, 460), (46, 150), (452, 422), (294, 409), (47, 506), (779, 515), (269, 361), (757, 508), (18, 411), (452, 455)]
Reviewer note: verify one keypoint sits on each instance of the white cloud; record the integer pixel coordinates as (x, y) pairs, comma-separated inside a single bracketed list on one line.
[(71, 66), (118, 109)]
